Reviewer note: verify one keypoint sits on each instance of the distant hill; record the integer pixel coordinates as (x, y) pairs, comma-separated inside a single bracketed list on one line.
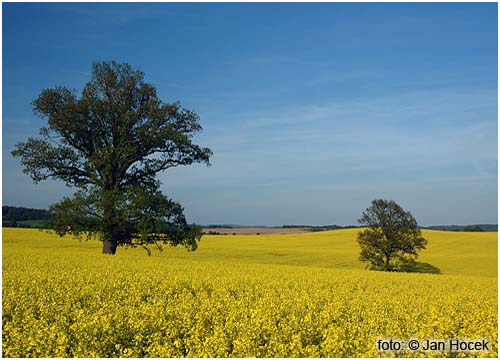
[(483, 227)]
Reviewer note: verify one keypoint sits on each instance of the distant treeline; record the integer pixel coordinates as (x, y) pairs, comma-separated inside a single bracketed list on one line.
[(475, 227), (221, 226), (14, 216), (295, 226), (319, 228)]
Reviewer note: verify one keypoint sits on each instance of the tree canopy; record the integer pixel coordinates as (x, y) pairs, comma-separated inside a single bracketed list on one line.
[(392, 238), (110, 143)]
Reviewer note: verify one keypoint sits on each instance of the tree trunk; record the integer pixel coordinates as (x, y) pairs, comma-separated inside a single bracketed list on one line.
[(109, 246), (388, 266), (110, 237)]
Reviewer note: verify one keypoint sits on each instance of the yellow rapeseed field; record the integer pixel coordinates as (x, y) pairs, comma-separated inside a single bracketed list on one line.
[(303, 295)]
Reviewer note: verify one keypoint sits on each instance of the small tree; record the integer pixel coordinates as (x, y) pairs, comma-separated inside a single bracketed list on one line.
[(392, 238), (110, 143)]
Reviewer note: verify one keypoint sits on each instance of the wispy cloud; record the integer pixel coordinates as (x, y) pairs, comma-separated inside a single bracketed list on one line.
[(413, 135)]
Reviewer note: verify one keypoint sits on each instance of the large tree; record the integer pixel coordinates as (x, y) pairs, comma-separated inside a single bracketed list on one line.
[(110, 143), (392, 238)]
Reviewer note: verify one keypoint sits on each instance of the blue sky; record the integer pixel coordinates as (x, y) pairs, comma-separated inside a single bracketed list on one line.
[(312, 110)]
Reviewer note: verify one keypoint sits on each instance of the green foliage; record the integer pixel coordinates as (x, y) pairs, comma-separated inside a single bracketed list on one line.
[(392, 239), (9, 223), (142, 217), (111, 142)]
